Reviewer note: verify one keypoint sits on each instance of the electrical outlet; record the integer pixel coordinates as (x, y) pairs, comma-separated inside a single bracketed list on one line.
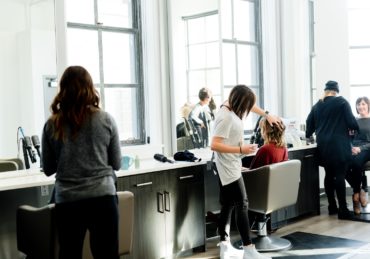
[(44, 190)]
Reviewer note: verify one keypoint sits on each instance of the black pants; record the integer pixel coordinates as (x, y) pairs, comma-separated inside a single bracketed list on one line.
[(98, 215), (334, 182), (234, 197), (355, 175)]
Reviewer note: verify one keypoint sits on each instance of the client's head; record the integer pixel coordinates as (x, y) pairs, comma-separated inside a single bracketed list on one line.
[(272, 134)]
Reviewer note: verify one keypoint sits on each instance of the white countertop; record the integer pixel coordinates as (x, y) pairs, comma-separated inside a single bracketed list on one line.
[(34, 177)]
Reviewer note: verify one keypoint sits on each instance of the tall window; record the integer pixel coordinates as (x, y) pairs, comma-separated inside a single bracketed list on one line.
[(241, 48), (312, 51), (104, 36), (359, 50), (203, 55)]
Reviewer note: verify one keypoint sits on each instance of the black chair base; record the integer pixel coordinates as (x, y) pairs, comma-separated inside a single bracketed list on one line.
[(270, 243)]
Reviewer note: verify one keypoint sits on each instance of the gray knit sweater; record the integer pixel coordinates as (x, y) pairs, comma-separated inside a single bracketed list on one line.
[(84, 166)]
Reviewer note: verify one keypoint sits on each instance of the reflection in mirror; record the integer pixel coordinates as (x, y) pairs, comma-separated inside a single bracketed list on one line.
[(27, 68), (195, 69), (222, 49)]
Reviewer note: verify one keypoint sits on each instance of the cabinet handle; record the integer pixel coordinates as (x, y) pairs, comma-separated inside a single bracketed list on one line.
[(143, 184), (311, 155), (167, 201), (160, 202), (186, 177)]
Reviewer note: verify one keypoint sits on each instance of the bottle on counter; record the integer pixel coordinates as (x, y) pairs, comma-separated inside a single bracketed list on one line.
[(137, 162)]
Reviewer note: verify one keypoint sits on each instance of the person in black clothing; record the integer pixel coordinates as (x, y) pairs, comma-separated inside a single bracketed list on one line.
[(360, 155), (331, 119)]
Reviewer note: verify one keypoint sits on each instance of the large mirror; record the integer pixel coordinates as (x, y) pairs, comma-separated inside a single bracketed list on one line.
[(215, 45), (195, 67), (27, 68)]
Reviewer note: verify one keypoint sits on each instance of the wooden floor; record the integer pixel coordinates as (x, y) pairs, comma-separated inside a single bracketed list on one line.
[(322, 224)]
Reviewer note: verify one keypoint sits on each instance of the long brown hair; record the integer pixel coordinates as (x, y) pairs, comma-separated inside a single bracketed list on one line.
[(272, 133), (76, 100), (241, 100)]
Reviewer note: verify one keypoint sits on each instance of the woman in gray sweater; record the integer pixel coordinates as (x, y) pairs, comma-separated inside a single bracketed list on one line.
[(80, 144)]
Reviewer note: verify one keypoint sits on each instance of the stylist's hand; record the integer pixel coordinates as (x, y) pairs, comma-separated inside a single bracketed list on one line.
[(249, 148), (274, 120)]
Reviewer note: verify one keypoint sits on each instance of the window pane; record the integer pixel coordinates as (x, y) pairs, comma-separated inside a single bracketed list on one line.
[(196, 30), (117, 13), (226, 19), (213, 81), (197, 80), (252, 118), (212, 28), (83, 50), (213, 54), (247, 65), (197, 56), (121, 104), (358, 33), (227, 91), (359, 66), (229, 66), (75, 14), (119, 58), (244, 25)]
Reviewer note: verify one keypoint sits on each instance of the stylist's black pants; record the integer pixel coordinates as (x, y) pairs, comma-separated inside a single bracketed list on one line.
[(233, 196)]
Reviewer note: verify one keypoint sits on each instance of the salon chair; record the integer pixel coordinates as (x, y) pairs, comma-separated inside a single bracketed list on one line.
[(37, 237), (6, 166), (270, 188), (11, 164)]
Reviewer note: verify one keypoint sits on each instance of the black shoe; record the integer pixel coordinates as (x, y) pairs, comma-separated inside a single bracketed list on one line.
[(333, 210), (345, 214)]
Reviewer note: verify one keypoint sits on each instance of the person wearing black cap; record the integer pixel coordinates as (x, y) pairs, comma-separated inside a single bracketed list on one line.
[(331, 119)]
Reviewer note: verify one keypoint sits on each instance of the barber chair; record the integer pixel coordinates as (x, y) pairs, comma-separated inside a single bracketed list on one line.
[(37, 237), (270, 188)]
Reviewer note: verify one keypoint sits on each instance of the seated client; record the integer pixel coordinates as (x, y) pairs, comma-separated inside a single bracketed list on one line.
[(274, 149)]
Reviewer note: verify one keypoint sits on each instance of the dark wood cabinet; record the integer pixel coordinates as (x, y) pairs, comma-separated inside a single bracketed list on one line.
[(169, 211)]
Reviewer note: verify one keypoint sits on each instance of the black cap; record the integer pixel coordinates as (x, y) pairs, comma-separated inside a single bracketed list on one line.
[(332, 86)]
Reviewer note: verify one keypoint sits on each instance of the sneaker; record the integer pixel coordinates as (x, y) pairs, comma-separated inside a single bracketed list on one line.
[(250, 252), (228, 251)]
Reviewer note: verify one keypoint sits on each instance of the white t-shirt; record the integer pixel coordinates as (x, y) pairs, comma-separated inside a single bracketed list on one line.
[(229, 127)]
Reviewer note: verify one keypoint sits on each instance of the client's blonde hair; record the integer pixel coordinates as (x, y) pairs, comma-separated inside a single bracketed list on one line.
[(272, 134)]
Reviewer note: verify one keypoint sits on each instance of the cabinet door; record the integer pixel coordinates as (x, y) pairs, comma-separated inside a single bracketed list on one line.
[(149, 226), (309, 196), (187, 226)]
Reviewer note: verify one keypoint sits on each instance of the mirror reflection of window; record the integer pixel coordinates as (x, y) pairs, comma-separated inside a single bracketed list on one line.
[(203, 71), (107, 43), (241, 49)]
